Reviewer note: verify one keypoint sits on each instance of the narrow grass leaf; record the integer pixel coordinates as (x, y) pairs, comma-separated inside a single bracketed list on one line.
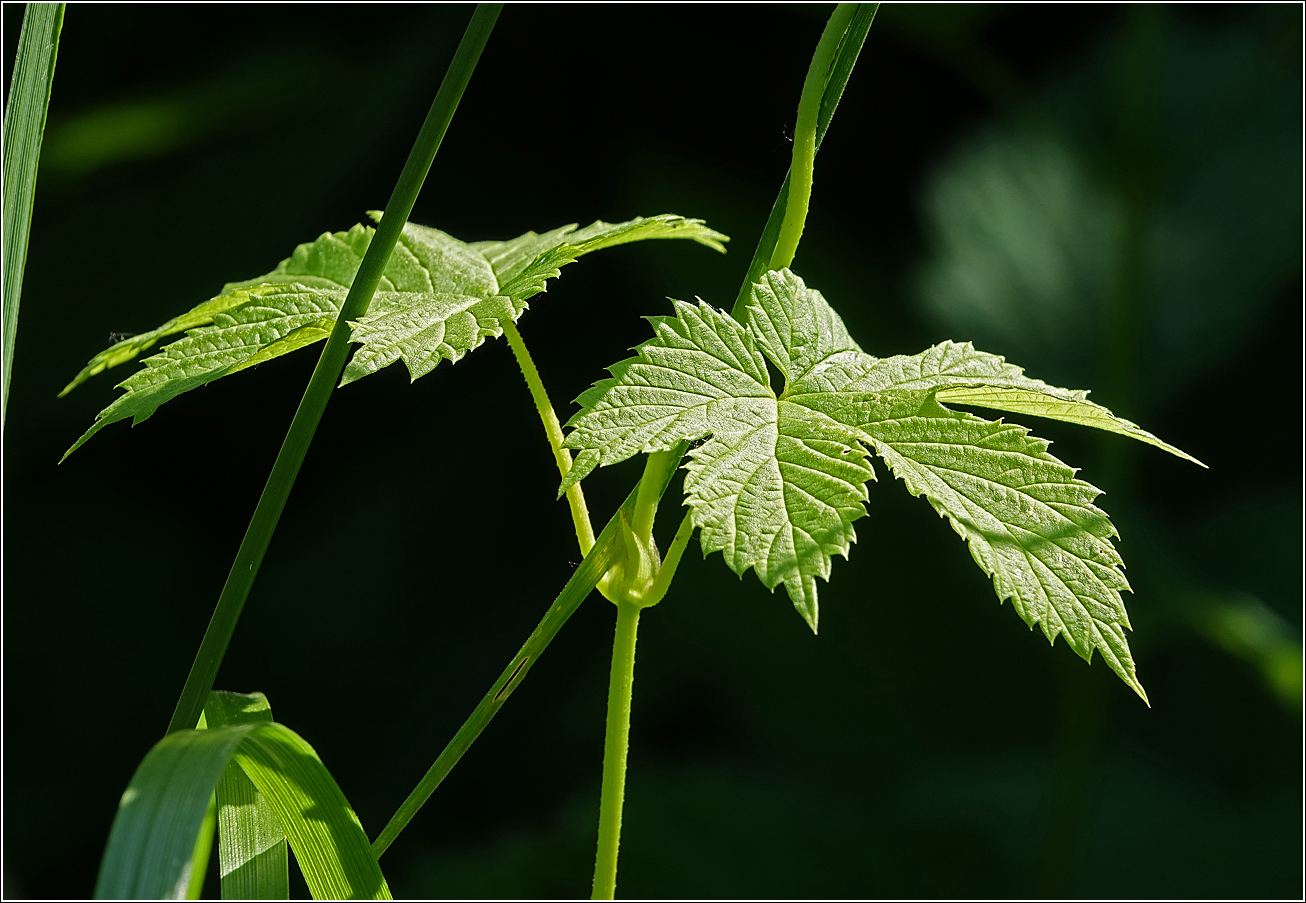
[(24, 128), (252, 853), (159, 817)]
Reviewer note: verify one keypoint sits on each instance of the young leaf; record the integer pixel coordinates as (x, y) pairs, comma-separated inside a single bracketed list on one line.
[(775, 488), (781, 478), (439, 298), (423, 330)]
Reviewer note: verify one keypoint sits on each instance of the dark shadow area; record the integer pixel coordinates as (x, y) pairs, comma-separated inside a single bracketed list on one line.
[(1109, 196)]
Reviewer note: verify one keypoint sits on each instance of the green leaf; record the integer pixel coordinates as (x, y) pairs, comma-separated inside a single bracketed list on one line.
[(775, 487), (1031, 525), (780, 479), (154, 832), (1055, 406), (438, 299), (268, 321), (24, 129), (252, 854), (424, 329)]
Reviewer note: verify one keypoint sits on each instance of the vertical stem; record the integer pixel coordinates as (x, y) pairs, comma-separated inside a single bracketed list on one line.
[(580, 515), (809, 106), (273, 500), (614, 751)]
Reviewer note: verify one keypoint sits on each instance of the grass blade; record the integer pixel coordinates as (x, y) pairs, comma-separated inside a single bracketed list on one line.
[(153, 837), (29, 98), (329, 842), (327, 373), (199, 857), (161, 813), (253, 858), (606, 548)]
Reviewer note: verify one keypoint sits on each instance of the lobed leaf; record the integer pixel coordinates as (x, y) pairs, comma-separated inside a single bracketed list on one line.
[(438, 299), (1031, 525), (780, 479), (775, 488), (422, 331)]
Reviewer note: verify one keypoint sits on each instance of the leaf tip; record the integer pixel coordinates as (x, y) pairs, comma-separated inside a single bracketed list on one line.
[(1142, 694)]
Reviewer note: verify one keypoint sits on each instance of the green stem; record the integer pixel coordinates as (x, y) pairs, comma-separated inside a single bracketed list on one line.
[(845, 59), (580, 515), (605, 551), (24, 129), (826, 76), (270, 504), (809, 106), (615, 745), (658, 469), (667, 572), (606, 547)]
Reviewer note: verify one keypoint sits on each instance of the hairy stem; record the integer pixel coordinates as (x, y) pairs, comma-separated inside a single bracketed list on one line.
[(826, 76), (325, 376), (800, 171), (615, 745), (580, 515)]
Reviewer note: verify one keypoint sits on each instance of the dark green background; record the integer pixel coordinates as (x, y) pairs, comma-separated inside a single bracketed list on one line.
[(1123, 184)]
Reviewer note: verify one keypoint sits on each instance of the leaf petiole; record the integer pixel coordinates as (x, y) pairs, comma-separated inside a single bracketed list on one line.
[(580, 514)]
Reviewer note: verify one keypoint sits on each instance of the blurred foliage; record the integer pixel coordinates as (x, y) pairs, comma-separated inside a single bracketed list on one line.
[(1107, 195)]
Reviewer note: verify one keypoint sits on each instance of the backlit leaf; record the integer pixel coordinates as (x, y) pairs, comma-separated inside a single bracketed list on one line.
[(438, 299), (780, 478)]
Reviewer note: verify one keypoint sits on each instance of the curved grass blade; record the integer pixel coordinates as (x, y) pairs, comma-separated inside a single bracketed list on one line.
[(163, 808), (199, 859), (24, 128), (253, 859)]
